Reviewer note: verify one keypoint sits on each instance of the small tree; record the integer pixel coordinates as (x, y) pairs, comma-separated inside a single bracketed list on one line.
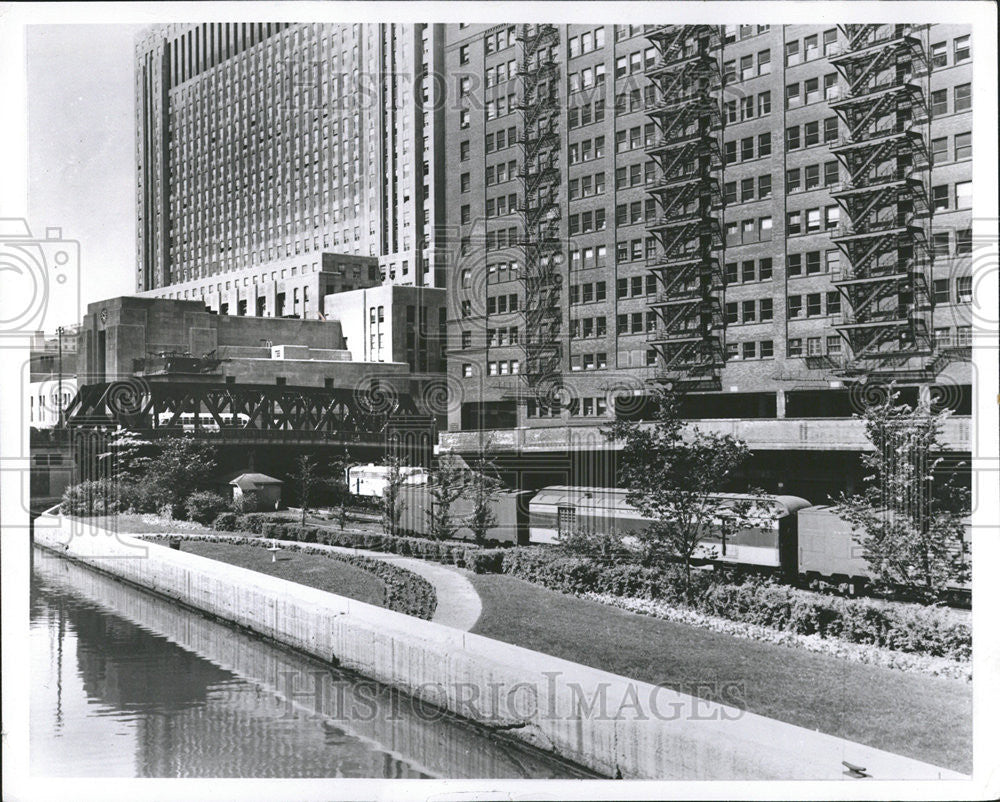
[(445, 486), (674, 478), (183, 466), (910, 518), (391, 504), (483, 487), (306, 478)]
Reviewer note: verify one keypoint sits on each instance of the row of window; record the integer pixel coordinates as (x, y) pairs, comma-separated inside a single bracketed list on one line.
[(742, 232), (504, 138), (504, 367), (941, 290), (761, 349), (635, 286), (587, 327), (961, 51), (808, 49), (749, 189), (748, 107), (753, 310), (805, 92), (586, 42), (749, 271), (505, 335), (635, 175), (814, 304), (744, 149), (495, 174), (813, 263), (942, 196), (586, 114), (634, 138), (747, 69), (501, 106), (635, 212), (814, 346), (635, 99), (590, 256), (637, 322), (500, 304), (598, 361), (808, 221), (811, 177), (497, 240), (501, 40), (588, 293), (961, 100), (636, 250), (586, 150), (635, 63), (962, 148), (586, 186), (585, 222), (502, 72), (587, 77), (498, 206)]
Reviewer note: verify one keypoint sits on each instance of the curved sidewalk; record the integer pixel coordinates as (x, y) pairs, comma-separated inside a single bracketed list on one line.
[(458, 604)]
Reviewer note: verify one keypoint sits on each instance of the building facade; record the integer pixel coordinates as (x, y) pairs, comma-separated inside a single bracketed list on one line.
[(265, 150), (759, 214)]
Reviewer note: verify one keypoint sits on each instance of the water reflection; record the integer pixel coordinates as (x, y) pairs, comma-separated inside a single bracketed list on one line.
[(125, 684)]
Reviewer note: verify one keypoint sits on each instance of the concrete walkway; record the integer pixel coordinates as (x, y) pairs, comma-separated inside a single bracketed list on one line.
[(458, 604)]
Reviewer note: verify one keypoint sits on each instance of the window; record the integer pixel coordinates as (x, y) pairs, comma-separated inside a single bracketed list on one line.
[(466, 214), (831, 89), (792, 54), (939, 197), (732, 272), (464, 150), (792, 96), (793, 180), (939, 54), (963, 241), (746, 189), (465, 182), (812, 263), (764, 62), (765, 224), (940, 243), (765, 269), (830, 129), (963, 289), (811, 47), (766, 309), (463, 54), (963, 97), (466, 339), (831, 217), (750, 350), (830, 45), (939, 150), (811, 90), (764, 186), (812, 176), (814, 346), (465, 118), (729, 192), (939, 102), (963, 50), (794, 305), (732, 312), (466, 370), (763, 145), (746, 149), (833, 302), (963, 195), (767, 349), (794, 224), (795, 347), (831, 173), (812, 220), (763, 104), (792, 141), (811, 134), (730, 152), (794, 267), (749, 311), (941, 291), (963, 146)]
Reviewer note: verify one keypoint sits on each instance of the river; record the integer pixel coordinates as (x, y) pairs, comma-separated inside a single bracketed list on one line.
[(126, 684)]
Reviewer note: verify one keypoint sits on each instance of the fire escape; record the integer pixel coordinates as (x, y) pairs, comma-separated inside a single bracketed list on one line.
[(883, 150), (541, 239), (688, 266)]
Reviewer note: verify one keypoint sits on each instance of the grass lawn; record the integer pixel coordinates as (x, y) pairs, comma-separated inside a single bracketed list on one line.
[(920, 716), (134, 523), (323, 573)]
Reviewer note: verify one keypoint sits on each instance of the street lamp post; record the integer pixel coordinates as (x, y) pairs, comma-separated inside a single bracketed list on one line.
[(59, 396)]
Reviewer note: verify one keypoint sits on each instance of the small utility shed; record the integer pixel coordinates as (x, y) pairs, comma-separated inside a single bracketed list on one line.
[(266, 490)]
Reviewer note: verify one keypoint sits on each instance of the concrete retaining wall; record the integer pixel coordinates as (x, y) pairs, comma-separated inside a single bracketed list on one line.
[(611, 724)]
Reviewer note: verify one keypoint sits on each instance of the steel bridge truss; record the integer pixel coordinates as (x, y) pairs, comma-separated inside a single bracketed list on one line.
[(267, 413)]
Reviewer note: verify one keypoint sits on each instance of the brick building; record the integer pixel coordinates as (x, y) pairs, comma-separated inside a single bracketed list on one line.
[(762, 215)]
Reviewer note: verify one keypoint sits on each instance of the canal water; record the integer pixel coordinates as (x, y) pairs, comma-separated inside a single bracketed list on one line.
[(126, 684)]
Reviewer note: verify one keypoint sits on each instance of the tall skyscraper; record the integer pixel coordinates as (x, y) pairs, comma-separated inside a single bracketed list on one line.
[(761, 215), (271, 151)]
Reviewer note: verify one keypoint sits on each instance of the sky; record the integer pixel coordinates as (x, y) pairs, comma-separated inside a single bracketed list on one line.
[(81, 168)]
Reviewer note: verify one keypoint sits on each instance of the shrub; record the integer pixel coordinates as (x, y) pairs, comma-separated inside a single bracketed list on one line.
[(484, 561), (93, 497), (225, 522), (203, 506)]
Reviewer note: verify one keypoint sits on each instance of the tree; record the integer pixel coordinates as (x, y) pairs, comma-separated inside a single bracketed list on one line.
[(391, 505), (674, 478), (306, 478), (483, 487), (911, 516), (445, 486), (183, 466)]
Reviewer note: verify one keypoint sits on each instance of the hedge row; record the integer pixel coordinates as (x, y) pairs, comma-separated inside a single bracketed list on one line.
[(405, 591), (934, 631), (449, 553)]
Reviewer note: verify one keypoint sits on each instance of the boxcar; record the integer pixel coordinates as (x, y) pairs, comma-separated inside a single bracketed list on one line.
[(510, 508), (562, 509), (371, 479)]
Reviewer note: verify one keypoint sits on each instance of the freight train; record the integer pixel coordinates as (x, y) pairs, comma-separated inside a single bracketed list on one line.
[(794, 539)]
